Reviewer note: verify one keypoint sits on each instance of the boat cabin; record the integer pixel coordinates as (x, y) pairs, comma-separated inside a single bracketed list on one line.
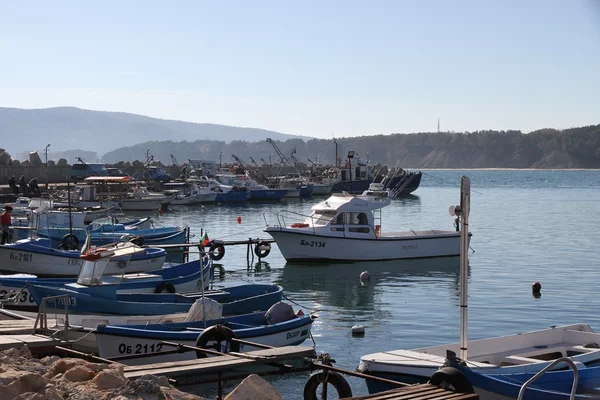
[(344, 214)]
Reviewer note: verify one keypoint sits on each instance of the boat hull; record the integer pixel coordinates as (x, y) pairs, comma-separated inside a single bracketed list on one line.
[(42, 261), (266, 194), (115, 341), (301, 245), (183, 277)]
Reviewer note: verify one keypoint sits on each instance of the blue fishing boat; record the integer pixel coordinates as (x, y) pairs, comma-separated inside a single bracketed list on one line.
[(152, 236), (38, 257), (105, 299), (169, 279), (550, 385), (279, 326)]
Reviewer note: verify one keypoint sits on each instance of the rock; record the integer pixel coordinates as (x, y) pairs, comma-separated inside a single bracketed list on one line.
[(109, 379), (26, 382), (79, 373), (52, 393), (64, 364), (48, 361), (32, 396), (254, 387)]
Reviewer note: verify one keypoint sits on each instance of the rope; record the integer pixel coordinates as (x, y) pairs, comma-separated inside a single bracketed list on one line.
[(243, 232)]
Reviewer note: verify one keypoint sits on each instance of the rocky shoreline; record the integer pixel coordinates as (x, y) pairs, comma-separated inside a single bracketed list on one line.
[(23, 377)]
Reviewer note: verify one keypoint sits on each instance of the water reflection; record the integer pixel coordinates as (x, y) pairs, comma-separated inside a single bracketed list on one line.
[(408, 200), (339, 284)]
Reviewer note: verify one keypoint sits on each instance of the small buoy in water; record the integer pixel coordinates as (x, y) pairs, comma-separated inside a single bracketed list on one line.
[(365, 276), (536, 287), (358, 330), (239, 219)]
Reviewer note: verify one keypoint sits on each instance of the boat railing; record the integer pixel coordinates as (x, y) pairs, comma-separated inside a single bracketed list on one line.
[(280, 215), (42, 316), (548, 367)]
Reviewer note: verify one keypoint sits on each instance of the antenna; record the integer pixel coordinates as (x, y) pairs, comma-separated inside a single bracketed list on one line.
[(438, 125)]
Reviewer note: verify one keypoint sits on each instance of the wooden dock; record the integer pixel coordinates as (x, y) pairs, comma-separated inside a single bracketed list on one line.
[(418, 392), (19, 333), (230, 366)]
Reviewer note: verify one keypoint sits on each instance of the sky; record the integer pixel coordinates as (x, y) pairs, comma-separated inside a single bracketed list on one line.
[(314, 68)]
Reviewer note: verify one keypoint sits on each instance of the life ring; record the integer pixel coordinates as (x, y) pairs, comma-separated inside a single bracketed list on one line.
[(326, 377), (165, 287), (451, 378), (69, 242), (298, 225), (262, 249), (218, 334), (216, 251)]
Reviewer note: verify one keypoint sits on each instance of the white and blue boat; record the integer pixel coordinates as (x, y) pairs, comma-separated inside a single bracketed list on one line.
[(37, 257), (169, 279), (105, 299), (153, 236), (549, 385), (268, 328)]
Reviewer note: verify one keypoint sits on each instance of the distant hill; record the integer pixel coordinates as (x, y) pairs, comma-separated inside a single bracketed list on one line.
[(545, 148), (24, 130)]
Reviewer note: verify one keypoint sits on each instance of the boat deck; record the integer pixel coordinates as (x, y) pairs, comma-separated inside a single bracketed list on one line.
[(419, 233), (418, 392)]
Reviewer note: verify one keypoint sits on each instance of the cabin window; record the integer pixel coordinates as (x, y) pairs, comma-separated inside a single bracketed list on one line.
[(322, 217), (358, 219), (339, 220), (363, 229)]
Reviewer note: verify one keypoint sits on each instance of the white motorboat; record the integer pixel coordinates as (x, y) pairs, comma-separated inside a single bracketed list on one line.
[(527, 352), (348, 228), (188, 193)]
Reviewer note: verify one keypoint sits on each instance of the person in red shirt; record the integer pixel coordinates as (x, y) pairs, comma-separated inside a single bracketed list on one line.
[(5, 221)]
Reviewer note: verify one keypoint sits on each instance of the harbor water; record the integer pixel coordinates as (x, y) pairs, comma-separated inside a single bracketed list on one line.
[(527, 226)]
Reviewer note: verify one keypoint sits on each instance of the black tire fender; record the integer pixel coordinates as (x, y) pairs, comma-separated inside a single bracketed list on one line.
[(69, 242), (262, 249), (326, 377), (218, 334), (451, 378), (165, 287), (216, 251)]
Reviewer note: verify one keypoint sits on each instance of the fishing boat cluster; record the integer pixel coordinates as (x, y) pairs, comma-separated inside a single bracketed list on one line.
[(111, 284)]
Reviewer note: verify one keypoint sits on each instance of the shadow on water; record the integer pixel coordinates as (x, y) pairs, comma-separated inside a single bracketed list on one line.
[(339, 284)]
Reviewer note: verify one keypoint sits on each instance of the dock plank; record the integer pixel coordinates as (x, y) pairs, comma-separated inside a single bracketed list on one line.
[(210, 365), (424, 391), (18, 341)]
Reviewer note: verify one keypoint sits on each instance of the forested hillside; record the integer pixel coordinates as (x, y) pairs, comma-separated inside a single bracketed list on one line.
[(546, 148)]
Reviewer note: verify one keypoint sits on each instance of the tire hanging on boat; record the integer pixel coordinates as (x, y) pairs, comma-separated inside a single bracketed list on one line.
[(451, 378), (69, 242), (262, 249), (216, 251), (325, 378), (165, 287), (218, 334)]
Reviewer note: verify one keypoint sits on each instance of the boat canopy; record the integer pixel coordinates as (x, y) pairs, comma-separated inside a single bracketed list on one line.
[(107, 179)]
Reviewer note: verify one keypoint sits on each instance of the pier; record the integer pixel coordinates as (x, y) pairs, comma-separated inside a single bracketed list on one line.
[(418, 392)]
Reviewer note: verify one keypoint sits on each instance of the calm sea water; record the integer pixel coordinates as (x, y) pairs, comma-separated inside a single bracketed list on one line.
[(527, 226)]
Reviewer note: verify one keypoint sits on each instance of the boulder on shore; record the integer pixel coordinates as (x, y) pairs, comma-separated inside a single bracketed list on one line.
[(52, 378)]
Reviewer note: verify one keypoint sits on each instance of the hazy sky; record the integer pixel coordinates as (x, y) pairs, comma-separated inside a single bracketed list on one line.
[(317, 68)]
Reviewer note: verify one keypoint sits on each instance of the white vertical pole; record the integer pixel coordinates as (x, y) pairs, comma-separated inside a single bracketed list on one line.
[(465, 200)]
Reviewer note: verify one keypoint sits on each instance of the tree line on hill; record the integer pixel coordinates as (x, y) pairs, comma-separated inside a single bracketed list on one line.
[(545, 148)]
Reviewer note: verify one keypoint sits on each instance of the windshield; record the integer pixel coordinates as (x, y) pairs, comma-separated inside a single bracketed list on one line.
[(92, 271), (323, 217)]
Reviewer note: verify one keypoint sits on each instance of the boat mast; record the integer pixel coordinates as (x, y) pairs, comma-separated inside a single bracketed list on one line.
[(465, 203)]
